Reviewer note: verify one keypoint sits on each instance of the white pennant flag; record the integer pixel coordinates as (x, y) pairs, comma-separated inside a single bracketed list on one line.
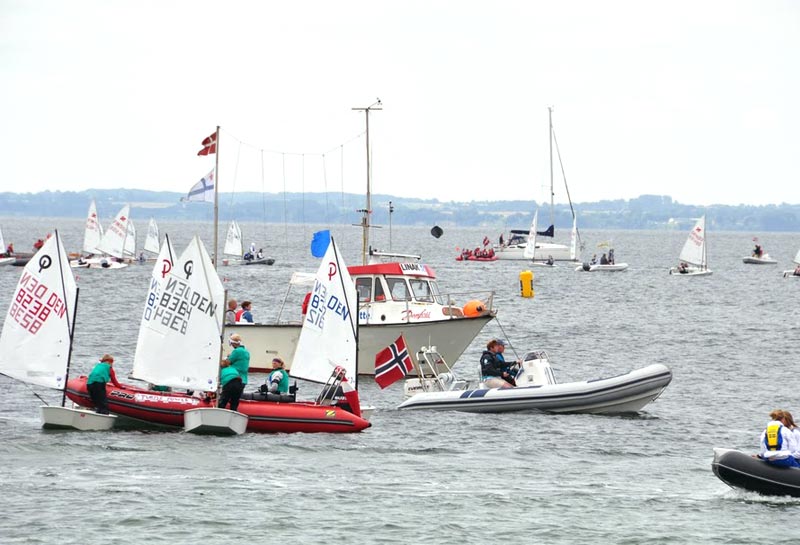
[(202, 191)]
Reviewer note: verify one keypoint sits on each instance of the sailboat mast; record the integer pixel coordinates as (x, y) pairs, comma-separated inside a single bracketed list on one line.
[(216, 200), (550, 137), (70, 325), (365, 225)]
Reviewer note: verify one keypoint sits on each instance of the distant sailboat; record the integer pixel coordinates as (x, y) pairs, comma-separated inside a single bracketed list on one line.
[(233, 244), (7, 259), (694, 255), (151, 243), (795, 273)]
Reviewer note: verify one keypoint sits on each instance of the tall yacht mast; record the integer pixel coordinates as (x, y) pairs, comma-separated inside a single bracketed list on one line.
[(365, 225)]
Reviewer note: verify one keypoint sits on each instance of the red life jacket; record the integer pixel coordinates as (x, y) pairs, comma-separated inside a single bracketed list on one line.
[(239, 315)]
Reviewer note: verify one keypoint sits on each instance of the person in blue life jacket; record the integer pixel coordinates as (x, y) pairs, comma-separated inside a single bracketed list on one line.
[(232, 386), (777, 441), (102, 373), (278, 379), (239, 358), (493, 371)]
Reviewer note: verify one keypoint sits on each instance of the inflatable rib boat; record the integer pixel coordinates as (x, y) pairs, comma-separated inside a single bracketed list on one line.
[(740, 470)]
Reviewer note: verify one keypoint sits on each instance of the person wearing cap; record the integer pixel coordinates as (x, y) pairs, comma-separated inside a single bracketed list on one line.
[(101, 374), (231, 384), (500, 354), (492, 367), (278, 379), (239, 358)]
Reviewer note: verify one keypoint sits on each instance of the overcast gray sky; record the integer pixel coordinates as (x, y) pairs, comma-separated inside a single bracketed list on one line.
[(699, 100)]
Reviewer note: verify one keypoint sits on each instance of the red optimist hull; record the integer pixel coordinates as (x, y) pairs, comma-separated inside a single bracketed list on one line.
[(167, 408)]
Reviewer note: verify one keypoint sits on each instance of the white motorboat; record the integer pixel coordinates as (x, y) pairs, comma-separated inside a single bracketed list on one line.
[(694, 254), (396, 295), (597, 267), (759, 256), (537, 389)]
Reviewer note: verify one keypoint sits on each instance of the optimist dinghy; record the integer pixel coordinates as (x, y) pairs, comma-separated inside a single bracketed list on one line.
[(536, 389)]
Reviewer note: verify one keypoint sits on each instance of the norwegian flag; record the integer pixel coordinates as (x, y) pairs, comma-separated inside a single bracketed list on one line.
[(392, 363), (209, 145)]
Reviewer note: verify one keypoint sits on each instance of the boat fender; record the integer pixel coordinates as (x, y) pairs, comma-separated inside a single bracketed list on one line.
[(526, 284), (474, 308)]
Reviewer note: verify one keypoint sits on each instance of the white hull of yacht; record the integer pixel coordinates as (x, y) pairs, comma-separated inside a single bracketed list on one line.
[(214, 421), (451, 336), (560, 252), (627, 393), (65, 418)]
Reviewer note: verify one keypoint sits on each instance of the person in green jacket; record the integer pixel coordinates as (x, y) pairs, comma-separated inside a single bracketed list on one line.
[(102, 373), (278, 379), (239, 358), (231, 384)]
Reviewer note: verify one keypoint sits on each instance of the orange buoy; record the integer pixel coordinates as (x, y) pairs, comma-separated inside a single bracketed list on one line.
[(474, 308)]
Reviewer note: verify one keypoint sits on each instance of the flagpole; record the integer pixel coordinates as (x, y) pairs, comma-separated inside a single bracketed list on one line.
[(216, 200)]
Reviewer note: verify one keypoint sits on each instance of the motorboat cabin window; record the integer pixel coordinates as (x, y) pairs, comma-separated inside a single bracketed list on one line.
[(380, 295), (398, 289), (421, 290), (364, 289)]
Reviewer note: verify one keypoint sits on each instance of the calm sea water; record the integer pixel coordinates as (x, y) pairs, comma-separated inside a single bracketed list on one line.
[(440, 478)]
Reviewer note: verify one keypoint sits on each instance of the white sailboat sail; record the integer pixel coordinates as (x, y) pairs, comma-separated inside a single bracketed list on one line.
[(35, 342), (130, 241), (179, 336), (530, 247), (2, 242), (93, 231), (233, 241), (113, 241), (329, 337), (151, 243), (797, 258), (694, 250)]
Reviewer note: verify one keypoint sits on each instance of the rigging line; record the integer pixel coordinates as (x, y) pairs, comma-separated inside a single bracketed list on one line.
[(341, 178), (295, 153), (502, 329), (285, 218), (263, 198), (235, 177), (325, 182), (566, 187), (303, 188)]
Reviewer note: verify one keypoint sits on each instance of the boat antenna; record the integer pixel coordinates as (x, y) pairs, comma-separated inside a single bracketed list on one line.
[(216, 200), (368, 209), (391, 209)]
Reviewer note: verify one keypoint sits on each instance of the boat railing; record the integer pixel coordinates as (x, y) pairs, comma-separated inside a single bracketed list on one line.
[(471, 307)]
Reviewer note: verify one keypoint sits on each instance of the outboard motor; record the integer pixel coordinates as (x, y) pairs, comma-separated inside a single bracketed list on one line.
[(586, 266)]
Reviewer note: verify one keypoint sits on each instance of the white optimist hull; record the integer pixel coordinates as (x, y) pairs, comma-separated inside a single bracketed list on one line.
[(690, 272), (96, 263), (65, 418), (214, 421), (451, 337), (7, 260), (602, 268), (766, 260), (560, 252), (627, 393), (790, 274)]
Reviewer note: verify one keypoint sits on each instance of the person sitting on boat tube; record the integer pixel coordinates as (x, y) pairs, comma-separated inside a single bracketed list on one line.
[(788, 421), (776, 442), (492, 367), (101, 374), (683, 268), (243, 315), (593, 261), (757, 251), (603, 260), (278, 380)]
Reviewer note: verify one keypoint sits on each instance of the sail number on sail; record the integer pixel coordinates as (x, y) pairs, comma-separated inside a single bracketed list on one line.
[(34, 302), (173, 308), (320, 303)]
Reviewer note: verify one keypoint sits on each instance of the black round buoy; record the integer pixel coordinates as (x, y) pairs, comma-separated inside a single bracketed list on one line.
[(437, 231)]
